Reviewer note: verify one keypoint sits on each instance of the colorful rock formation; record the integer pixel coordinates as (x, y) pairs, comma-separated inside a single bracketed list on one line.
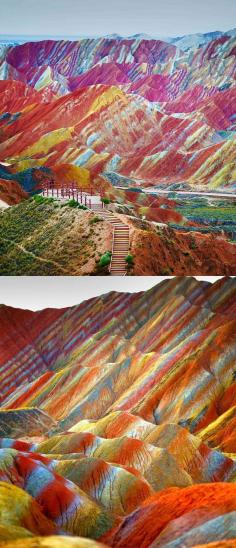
[(135, 109), (117, 420)]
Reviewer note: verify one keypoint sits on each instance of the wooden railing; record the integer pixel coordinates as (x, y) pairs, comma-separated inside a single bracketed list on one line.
[(81, 195)]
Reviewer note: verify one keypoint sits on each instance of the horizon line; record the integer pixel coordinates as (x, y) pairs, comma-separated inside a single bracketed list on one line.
[(112, 34), (28, 285)]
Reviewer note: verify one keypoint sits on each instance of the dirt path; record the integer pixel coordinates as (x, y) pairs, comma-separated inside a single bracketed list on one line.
[(48, 261)]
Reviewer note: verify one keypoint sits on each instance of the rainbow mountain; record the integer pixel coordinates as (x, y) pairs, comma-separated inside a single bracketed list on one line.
[(134, 111), (117, 420)]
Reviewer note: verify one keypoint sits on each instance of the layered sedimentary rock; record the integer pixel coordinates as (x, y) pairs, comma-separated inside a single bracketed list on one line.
[(139, 109), (120, 416)]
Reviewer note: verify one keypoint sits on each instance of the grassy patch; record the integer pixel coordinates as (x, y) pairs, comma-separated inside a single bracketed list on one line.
[(95, 220), (37, 238)]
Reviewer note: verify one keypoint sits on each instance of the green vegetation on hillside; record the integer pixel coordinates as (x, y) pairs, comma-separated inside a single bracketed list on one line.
[(210, 217), (39, 237), (209, 213)]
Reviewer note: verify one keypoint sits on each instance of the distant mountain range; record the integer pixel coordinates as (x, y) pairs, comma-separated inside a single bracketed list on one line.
[(156, 112), (186, 41)]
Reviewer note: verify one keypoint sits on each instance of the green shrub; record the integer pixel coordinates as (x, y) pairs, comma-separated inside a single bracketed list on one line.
[(105, 259), (72, 203), (129, 259), (94, 220), (106, 200), (39, 199)]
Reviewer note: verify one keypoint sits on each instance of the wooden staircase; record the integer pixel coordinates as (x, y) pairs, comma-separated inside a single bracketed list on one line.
[(120, 243), (120, 240)]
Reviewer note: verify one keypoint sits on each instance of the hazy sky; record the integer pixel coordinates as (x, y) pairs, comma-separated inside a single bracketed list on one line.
[(99, 17), (38, 292)]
